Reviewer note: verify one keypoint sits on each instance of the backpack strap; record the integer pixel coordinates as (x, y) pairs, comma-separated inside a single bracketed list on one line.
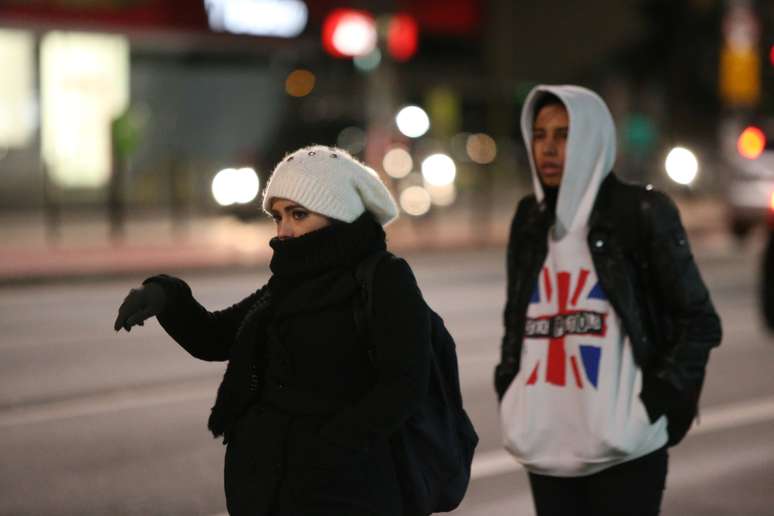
[(364, 304)]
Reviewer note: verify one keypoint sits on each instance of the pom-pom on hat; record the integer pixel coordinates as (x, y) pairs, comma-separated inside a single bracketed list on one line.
[(329, 181)]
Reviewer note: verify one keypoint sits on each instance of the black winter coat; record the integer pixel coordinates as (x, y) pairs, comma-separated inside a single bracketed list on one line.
[(312, 438), (644, 263)]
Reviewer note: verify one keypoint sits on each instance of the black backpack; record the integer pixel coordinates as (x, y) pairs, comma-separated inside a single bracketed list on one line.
[(433, 449)]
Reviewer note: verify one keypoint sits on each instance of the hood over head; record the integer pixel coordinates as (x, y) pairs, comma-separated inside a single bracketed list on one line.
[(589, 155)]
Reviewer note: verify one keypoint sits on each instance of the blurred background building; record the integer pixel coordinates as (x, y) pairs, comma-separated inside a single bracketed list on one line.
[(132, 107)]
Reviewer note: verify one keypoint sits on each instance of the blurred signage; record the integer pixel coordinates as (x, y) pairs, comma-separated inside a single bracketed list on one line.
[(445, 18), (17, 118), (740, 62), (78, 3), (279, 18), (84, 87), (185, 15)]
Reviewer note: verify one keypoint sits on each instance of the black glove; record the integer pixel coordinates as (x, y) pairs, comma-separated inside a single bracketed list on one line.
[(658, 396), (141, 303)]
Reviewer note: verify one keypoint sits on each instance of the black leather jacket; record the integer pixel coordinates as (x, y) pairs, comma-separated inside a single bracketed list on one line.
[(644, 263)]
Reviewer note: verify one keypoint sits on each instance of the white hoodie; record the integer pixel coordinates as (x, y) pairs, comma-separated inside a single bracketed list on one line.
[(574, 407)]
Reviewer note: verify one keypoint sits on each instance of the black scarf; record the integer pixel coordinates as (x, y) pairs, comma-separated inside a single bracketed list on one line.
[(295, 261), (551, 195)]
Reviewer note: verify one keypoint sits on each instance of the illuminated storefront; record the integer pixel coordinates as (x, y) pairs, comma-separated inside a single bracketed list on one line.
[(84, 87)]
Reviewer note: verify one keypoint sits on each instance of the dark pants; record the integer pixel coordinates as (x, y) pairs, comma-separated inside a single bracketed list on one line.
[(634, 488)]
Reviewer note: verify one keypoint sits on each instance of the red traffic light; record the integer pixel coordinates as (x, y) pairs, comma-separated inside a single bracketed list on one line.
[(402, 37), (349, 33), (751, 143)]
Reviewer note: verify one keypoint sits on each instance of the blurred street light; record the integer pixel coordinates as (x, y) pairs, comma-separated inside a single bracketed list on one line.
[(412, 121), (415, 201), (751, 143), (481, 148), (397, 163), (402, 37), (368, 62), (235, 186), (349, 33), (439, 170), (443, 195), (682, 166), (300, 83)]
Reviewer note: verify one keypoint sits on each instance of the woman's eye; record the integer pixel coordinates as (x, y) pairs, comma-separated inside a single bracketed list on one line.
[(299, 215)]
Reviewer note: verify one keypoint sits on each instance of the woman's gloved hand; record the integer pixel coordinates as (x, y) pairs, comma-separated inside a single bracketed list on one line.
[(141, 303)]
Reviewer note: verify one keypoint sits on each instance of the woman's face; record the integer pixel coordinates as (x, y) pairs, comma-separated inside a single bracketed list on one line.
[(294, 220)]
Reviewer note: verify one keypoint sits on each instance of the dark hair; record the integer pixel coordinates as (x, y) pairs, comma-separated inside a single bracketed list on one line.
[(546, 99)]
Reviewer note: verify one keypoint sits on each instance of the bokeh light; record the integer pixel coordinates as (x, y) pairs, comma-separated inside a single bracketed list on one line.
[(751, 143), (439, 170), (349, 33), (481, 148), (402, 37), (352, 139), (277, 18), (397, 163), (681, 165), (415, 201), (412, 121), (300, 83), (368, 62), (235, 186), (443, 195)]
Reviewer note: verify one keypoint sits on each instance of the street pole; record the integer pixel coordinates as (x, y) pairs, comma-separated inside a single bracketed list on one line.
[(499, 62), (51, 209), (52, 215), (115, 206)]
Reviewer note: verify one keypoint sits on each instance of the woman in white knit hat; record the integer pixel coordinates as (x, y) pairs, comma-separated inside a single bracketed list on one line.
[(305, 411)]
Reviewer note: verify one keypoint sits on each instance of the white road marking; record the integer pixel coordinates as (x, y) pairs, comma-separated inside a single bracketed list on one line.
[(107, 403)]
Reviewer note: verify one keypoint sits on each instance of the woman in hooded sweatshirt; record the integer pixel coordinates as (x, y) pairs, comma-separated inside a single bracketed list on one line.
[(304, 410), (608, 324)]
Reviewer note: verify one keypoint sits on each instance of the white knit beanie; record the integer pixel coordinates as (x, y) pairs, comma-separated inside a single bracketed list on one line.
[(329, 181)]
